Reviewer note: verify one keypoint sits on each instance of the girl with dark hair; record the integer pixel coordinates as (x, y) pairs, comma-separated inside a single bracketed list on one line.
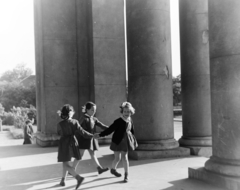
[(68, 145), (89, 123), (123, 139)]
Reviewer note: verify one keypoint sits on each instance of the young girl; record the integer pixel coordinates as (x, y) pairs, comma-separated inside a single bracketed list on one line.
[(123, 131), (28, 132), (89, 123), (68, 147)]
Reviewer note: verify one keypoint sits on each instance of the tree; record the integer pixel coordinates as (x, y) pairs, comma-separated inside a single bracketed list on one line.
[(14, 94), (177, 93), (17, 74)]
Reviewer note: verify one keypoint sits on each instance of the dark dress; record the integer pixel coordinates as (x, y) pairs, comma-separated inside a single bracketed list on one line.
[(124, 144), (28, 131), (122, 129), (89, 124), (68, 147)]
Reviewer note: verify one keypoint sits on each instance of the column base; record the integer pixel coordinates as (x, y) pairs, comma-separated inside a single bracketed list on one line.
[(176, 152), (225, 182), (157, 145), (195, 141), (46, 140), (200, 151)]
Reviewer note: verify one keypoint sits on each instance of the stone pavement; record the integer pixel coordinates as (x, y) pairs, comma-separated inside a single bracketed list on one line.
[(30, 167)]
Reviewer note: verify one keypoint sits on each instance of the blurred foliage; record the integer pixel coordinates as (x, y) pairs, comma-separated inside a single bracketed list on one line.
[(177, 92), (19, 73), (15, 94), (17, 102)]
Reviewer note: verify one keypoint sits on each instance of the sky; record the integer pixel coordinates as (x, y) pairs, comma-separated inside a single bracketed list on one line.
[(17, 35)]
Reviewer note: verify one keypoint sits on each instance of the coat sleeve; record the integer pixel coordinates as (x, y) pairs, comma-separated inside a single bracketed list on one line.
[(82, 132), (109, 130), (100, 124)]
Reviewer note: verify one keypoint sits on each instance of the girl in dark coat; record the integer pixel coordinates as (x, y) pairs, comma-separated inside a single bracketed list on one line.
[(123, 139), (28, 132), (68, 147), (89, 123)]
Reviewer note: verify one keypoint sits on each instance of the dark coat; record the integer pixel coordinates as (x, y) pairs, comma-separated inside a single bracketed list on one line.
[(67, 146), (28, 131), (89, 124), (119, 127)]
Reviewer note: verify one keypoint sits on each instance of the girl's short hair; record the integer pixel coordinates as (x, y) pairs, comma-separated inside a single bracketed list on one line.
[(66, 109), (87, 106), (127, 105)]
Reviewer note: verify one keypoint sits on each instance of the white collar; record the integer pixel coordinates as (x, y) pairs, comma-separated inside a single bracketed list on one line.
[(127, 120), (88, 115)]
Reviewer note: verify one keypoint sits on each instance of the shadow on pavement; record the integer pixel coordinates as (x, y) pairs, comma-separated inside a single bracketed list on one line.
[(190, 184)]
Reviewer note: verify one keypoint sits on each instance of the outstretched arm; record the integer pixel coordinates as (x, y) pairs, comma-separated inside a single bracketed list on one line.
[(109, 130), (84, 133), (100, 124)]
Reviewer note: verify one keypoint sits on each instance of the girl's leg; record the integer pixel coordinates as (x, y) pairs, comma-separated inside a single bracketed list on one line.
[(94, 158), (96, 162), (125, 165), (125, 161), (72, 171), (64, 175), (117, 158), (69, 168), (75, 161)]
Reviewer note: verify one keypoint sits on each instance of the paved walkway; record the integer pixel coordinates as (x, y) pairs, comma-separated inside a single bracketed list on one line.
[(30, 167)]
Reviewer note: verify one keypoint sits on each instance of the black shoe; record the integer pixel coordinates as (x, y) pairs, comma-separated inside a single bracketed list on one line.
[(114, 172), (125, 177), (62, 182), (101, 170), (79, 181)]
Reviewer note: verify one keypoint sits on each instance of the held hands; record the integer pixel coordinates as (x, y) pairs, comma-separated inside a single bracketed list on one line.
[(96, 136)]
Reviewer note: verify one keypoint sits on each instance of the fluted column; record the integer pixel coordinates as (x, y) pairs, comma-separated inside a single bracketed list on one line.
[(150, 77), (223, 168), (195, 76)]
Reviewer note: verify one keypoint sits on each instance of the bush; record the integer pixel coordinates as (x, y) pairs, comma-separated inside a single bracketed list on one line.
[(8, 118), (20, 116)]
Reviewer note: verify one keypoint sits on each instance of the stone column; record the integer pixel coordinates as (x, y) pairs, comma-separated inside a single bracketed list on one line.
[(80, 57), (223, 168), (56, 64), (195, 76), (150, 78), (108, 63)]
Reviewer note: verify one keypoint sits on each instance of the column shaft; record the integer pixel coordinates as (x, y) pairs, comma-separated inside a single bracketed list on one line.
[(57, 63), (225, 72), (195, 74), (223, 168), (150, 73), (109, 66)]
